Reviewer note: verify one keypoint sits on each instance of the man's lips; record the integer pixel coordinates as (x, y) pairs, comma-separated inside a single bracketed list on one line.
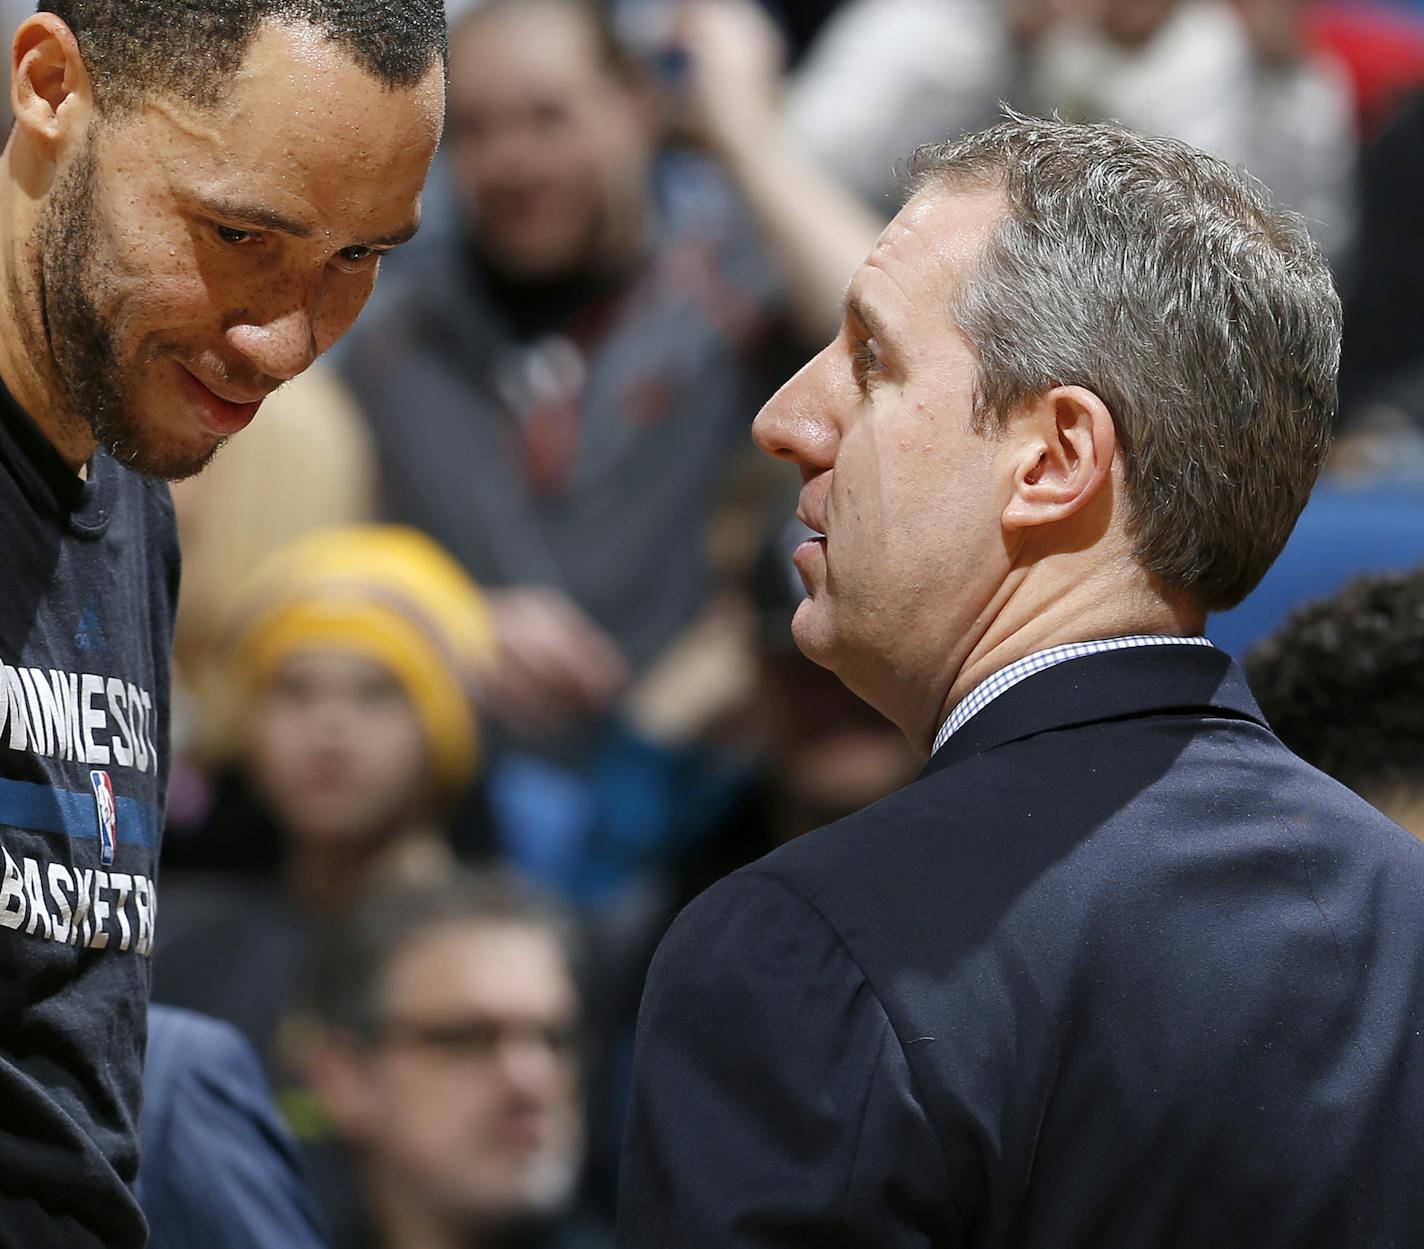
[(812, 550), (223, 415), (528, 1133), (812, 522)]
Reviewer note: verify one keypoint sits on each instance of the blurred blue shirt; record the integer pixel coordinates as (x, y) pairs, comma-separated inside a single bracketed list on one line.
[(218, 1168)]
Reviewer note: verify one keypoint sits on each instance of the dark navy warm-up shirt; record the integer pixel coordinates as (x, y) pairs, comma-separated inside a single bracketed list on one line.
[(88, 582)]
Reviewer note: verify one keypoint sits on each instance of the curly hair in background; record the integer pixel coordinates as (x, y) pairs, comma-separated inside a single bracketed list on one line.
[(1342, 683)]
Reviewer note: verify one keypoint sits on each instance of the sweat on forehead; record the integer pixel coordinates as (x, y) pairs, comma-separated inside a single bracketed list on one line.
[(191, 48)]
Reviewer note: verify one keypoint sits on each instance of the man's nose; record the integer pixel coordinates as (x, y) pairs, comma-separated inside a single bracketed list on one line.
[(279, 346), (530, 1065), (798, 423)]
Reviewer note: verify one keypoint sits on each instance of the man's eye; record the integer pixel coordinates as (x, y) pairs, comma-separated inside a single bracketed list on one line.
[(230, 234), (865, 361)]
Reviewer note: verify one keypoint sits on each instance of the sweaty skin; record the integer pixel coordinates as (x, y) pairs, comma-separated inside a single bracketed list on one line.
[(220, 249)]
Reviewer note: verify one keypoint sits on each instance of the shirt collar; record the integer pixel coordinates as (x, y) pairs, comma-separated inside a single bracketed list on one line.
[(1021, 669)]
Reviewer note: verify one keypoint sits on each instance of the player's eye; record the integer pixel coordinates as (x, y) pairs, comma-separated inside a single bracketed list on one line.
[(233, 236), (358, 256)]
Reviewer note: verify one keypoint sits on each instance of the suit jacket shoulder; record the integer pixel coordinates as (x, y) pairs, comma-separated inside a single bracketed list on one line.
[(1151, 979)]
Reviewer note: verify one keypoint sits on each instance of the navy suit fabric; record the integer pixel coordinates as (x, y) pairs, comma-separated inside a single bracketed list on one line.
[(1118, 971), (218, 1169)]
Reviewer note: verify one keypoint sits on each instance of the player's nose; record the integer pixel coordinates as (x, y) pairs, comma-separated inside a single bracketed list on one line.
[(280, 346)]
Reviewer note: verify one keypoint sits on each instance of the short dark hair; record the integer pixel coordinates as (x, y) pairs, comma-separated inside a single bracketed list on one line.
[(347, 974), (192, 48), (1342, 684), (1168, 283)]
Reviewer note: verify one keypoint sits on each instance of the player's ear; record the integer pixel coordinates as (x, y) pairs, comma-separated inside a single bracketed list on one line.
[(1064, 442), (51, 93)]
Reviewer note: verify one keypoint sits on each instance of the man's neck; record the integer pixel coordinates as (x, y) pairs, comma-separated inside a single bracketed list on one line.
[(404, 1224), (325, 874), (1023, 623)]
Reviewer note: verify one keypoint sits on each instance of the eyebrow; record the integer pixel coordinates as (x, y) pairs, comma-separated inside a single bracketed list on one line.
[(270, 219), (866, 315), (403, 235), (257, 215)]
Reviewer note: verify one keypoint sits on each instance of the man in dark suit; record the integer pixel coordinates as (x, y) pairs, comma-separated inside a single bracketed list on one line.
[(1118, 970)]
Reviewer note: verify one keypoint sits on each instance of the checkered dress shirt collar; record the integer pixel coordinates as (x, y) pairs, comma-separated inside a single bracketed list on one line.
[(1021, 669)]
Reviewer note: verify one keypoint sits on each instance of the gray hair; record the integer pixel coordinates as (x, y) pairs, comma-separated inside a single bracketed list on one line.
[(1168, 283)]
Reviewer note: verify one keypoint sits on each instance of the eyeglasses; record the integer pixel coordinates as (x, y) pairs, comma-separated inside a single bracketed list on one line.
[(480, 1039)]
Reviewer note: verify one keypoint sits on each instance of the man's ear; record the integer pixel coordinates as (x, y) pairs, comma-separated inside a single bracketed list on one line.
[(336, 1067), (50, 91), (1064, 444)]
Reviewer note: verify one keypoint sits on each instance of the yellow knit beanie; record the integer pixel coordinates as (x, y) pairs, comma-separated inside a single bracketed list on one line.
[(392, 595)]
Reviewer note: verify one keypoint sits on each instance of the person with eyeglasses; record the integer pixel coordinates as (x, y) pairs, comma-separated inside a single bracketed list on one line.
[(447, 1060)]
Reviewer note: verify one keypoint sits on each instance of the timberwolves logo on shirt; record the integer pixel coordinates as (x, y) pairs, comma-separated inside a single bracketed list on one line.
[(108, 815)]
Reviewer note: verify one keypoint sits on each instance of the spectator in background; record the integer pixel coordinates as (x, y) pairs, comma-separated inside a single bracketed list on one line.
[(306, 465), (558, 399), (219, 1169), (1235, 79), (580, 345), (448, 1062), (884, 76), (1342, 684), (355, 652), (1382, 367)]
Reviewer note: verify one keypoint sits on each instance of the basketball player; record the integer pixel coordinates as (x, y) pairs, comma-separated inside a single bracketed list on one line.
[(193, 203)]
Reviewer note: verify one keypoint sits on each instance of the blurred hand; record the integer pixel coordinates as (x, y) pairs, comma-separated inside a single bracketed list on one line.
[(555, 665), (735, 60)]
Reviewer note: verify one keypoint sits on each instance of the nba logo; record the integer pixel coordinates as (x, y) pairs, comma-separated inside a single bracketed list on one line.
[(108, 815)]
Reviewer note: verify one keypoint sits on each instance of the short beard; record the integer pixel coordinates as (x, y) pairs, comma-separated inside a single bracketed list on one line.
[(81, 339)]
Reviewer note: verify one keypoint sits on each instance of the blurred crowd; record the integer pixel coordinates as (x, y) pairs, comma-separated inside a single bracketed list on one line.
[(484, 658)]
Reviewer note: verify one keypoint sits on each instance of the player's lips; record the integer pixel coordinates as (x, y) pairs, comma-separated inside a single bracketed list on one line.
[(224, 413)]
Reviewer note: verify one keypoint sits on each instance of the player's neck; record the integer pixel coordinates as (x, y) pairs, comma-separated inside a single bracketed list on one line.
[(26, 358)]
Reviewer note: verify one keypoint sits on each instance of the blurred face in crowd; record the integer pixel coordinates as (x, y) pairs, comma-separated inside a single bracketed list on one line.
[(188, 260), (336, 748), (469, 1103), (549, 144), (1131, 22), (909, 497)]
